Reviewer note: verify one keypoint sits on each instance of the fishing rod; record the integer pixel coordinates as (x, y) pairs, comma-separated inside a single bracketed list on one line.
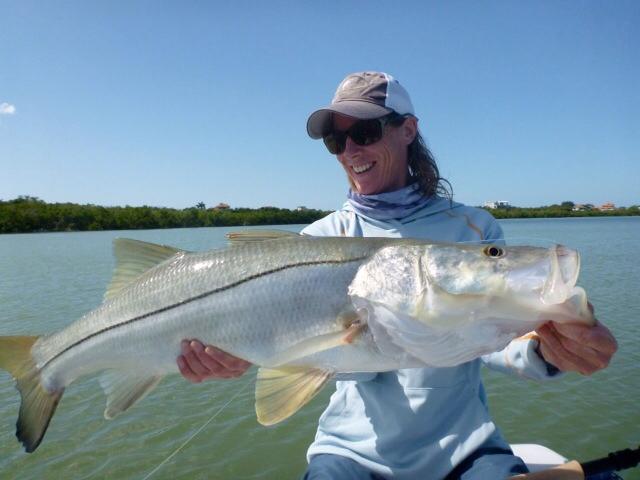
[(613, 462)]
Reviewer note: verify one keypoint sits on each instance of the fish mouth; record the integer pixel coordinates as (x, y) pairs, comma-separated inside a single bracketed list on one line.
[(564, 267)]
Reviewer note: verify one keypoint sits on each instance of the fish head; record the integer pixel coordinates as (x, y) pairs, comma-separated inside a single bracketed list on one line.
[(461, 282), (547, 275), (445, 304)]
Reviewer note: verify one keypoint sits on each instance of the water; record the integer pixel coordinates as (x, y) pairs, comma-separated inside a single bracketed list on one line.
[(49, 280)]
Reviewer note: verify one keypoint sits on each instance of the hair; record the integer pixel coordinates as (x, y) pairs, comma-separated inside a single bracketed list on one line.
[(423, 167)]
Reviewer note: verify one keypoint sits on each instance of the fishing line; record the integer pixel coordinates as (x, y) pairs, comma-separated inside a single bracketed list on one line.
[(202, 427)]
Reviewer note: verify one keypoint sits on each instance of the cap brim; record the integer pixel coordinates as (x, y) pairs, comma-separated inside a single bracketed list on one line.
[(318, 122)]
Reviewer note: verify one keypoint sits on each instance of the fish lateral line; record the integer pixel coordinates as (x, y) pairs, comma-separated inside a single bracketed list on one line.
[(196, 298)]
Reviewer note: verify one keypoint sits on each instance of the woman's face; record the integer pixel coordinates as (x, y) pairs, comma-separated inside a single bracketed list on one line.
[(381, 166)]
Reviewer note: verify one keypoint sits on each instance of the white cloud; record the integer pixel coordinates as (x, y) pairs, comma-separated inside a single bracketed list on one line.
[(7, 109)]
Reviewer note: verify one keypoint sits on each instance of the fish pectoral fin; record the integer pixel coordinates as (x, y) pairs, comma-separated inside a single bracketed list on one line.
[(250, 236), (123, 390), (133, 258), (282, 392), (314, 345)]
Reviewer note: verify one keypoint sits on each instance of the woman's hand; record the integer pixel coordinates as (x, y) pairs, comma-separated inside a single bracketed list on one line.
[(198, 363), (577, 347)]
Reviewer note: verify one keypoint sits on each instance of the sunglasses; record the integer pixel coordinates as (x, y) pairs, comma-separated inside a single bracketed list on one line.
[(363, 132)]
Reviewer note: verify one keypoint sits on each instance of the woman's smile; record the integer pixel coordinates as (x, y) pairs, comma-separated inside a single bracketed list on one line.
[(362, 168)]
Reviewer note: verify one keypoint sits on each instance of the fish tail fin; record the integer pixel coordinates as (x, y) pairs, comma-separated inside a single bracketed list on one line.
[(38, 405)]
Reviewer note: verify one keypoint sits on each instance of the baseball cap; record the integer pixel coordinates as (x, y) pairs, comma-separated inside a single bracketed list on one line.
[(362, 95)]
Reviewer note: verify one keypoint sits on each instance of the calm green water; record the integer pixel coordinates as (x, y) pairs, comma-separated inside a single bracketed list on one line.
[(49, 280)]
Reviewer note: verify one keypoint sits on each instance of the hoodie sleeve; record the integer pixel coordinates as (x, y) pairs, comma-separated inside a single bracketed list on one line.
[(329, 226), (493, 233), (521, 358), (317, 228)]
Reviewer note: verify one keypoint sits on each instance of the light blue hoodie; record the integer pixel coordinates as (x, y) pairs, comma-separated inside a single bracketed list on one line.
[(417, 423)]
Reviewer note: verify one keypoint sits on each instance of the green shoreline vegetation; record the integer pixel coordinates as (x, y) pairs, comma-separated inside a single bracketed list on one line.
[(27, 214)]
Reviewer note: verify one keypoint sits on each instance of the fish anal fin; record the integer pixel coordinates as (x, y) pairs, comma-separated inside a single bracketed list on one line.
[(282, 392), (38, 404), (125, 389), (133, 258)]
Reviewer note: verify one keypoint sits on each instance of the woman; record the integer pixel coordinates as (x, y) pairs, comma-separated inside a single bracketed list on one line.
[(413, 423)]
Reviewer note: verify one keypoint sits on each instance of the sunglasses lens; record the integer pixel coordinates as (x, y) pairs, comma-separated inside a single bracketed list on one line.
[(335, 142), (363, 132), (366, 132)]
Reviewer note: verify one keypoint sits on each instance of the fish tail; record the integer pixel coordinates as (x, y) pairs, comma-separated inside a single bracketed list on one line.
[(38, 404)]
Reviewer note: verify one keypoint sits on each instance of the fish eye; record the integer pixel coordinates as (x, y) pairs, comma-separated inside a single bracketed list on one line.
[(493, 251)]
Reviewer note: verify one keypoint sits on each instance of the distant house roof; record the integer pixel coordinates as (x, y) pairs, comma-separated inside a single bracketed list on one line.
[(497, 204), (221, 206)]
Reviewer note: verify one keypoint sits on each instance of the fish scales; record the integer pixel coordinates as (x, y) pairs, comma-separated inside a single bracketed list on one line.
[(188, 297)]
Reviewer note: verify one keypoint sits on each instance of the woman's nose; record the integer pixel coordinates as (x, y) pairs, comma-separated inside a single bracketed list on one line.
[(350, 146)]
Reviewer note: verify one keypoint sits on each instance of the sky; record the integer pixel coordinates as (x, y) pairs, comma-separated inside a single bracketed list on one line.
[(171, 103)]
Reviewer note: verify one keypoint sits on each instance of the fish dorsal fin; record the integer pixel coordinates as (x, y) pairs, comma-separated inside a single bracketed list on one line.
[(282, 392), (133, 258), (250, 236), (125, 389)]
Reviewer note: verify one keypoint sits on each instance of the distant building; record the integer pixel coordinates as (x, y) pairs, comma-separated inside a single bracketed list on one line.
[(582, 207), (301, 208), (221, 206), (606, 207), (497, 204)]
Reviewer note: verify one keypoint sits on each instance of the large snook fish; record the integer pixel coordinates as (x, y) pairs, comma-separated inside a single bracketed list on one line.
[(302, 308)]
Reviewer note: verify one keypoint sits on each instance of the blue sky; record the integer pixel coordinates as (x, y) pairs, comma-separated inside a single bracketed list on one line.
[(170, 103)]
